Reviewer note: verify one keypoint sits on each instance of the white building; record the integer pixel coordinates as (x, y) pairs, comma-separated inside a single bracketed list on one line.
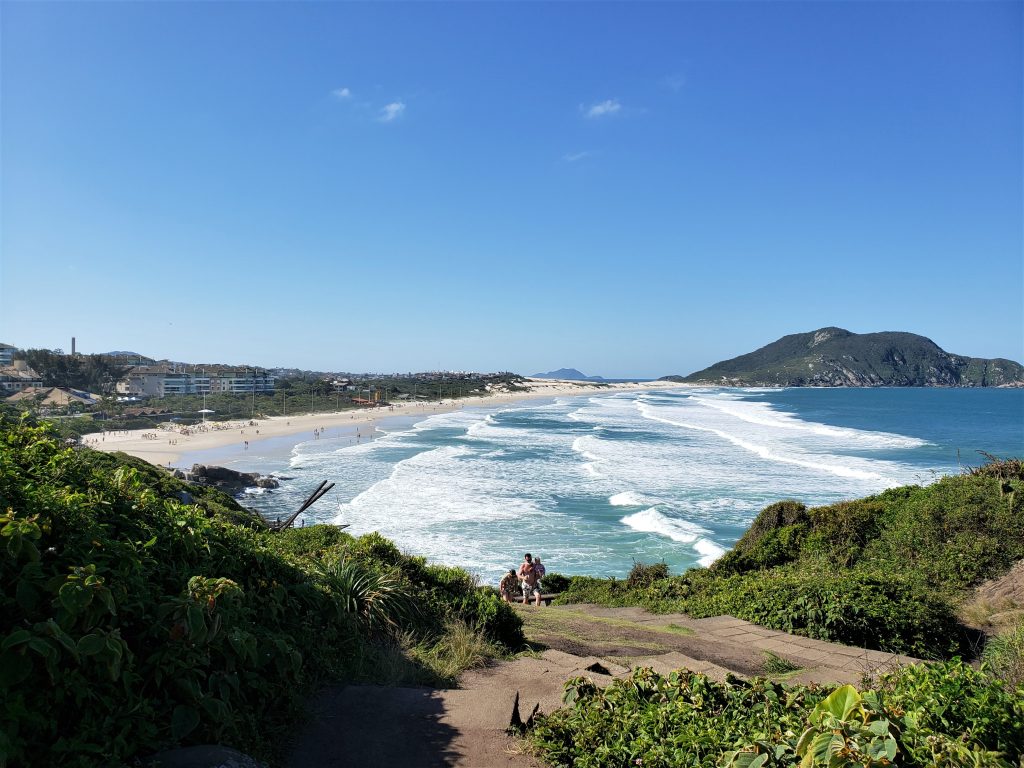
[(164, 380), (241, 381), (18, 376)]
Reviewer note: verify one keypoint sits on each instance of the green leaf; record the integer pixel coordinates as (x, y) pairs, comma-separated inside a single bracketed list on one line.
[(196, 625), (73, 598), (92, 644), (879, 727), (183, 721), (51, 628), (805, 740), (115, 645), (825, 745), (17, 637), (839, 703), (890, 748)]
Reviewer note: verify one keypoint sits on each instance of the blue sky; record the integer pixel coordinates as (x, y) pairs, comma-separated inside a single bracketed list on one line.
[(629, 189)]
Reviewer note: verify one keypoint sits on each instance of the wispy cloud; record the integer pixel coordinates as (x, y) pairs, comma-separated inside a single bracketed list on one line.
[(391, 112), (675, 82), (342, 93), (602, 108), (573, 157)]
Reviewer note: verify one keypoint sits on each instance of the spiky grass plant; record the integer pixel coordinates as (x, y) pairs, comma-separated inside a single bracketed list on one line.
[(380, 600), (460, 648)]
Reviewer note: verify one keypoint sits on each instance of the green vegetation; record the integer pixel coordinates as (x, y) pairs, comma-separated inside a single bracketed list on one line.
[(92, 373), (1005, 654), (884, 572), (831, 357), (946, 715), (776, 665), (132, 621)]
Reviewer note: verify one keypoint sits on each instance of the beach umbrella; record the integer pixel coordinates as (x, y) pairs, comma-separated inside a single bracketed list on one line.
[(205, 411)]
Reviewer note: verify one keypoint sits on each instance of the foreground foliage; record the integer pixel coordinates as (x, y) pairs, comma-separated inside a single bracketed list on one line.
[(883, 572), (131, 621), (942, 715)]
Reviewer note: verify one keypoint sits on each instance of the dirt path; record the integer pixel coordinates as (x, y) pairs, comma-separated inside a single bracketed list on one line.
[(466, 727)]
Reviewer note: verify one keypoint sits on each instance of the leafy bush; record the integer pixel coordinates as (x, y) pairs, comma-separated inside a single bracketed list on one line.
[(555, 582), (132, 622), (644, 575), (942, 715)]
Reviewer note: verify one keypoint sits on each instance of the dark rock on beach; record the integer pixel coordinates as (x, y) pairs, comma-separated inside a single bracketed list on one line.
[(229, 480)]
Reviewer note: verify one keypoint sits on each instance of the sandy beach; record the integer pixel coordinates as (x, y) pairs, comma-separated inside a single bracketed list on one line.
[(165, 446)]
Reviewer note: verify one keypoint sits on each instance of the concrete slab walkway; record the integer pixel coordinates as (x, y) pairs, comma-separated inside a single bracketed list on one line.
[(467, 727)]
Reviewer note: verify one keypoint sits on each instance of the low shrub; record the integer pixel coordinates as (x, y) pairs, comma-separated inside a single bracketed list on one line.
[(555, 582), (644, 574), (942, 715)]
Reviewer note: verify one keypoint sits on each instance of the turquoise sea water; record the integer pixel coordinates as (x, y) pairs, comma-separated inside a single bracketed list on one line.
[(593, 483)]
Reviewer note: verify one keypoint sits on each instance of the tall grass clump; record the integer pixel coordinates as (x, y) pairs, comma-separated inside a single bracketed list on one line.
[(1005, 655)]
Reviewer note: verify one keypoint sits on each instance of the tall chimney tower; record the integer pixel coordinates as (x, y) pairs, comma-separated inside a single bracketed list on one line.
[(72, 346)]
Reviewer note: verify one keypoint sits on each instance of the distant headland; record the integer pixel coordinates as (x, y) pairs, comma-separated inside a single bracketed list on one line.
[(567, 374), (835, 357)]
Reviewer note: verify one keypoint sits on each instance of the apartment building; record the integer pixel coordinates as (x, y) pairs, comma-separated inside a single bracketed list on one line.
[(164, 380), (16, 377)]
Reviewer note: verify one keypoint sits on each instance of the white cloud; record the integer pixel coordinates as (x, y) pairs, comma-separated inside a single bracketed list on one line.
[(342, 93), (603, 108), (573, 157), (391, 112)]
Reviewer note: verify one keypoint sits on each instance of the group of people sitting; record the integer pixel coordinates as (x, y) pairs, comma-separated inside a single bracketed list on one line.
[(527, 579)]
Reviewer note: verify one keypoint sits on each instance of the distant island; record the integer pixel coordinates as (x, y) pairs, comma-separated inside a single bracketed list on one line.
[(567, 374), (835, 357)]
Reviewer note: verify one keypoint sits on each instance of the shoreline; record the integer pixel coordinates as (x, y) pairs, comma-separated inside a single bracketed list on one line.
[(166, 446)]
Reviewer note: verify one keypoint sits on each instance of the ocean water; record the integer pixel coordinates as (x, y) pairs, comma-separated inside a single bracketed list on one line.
[(593, 483)]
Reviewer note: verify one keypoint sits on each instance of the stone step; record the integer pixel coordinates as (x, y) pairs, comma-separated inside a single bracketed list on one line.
[(667, 663)]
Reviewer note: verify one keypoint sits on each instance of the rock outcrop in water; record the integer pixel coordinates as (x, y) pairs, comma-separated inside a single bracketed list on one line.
[(229, 480), (834, 357)]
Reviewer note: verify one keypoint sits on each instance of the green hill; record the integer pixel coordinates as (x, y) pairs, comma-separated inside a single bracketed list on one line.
[(834, 357)]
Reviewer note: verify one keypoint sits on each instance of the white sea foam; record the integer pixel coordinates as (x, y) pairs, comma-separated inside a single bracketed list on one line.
[(848, 467), (628, 499), (708, 550), (764, 414), (652, 521)]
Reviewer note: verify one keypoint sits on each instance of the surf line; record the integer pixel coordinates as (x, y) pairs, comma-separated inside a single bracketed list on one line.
[(761, 451)]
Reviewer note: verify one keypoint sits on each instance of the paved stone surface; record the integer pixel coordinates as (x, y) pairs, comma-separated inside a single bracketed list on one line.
[(821, 662), (466, 727)]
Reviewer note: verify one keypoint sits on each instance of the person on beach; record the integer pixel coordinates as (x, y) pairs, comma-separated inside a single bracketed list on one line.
[(507, 585), (539, 569), (528, 577)]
